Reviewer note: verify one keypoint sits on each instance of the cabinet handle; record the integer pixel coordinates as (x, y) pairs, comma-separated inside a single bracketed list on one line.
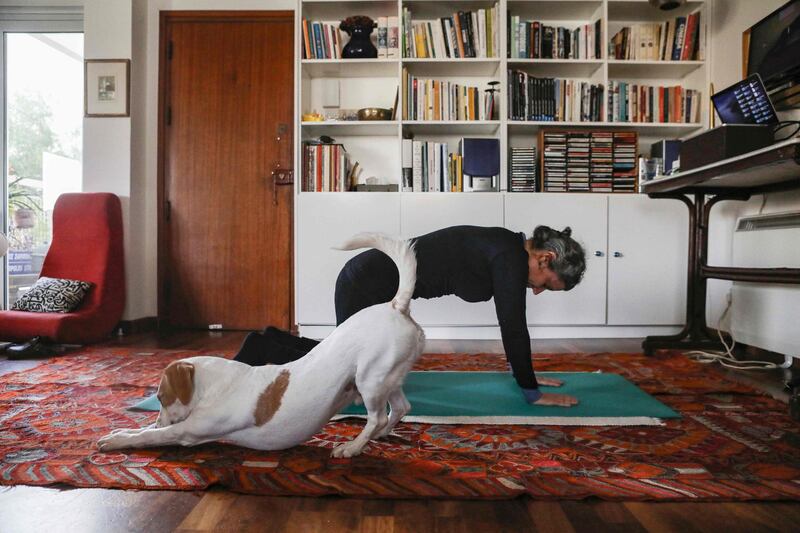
[(598, 253), (617, 254)]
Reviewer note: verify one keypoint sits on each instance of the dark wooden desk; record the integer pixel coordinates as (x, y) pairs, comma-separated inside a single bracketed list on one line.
[(772, 169)]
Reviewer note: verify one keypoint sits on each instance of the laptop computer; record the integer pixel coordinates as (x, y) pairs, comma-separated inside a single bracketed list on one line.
[(745, 102)]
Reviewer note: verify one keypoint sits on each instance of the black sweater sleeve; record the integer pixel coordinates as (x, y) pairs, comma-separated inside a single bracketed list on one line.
[(509, 276)]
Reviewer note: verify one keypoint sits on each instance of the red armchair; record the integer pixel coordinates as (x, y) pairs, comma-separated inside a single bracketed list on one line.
[(87, 246)]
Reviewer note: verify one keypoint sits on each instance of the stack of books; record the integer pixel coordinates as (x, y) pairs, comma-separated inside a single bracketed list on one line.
[(532, 39), (625, 155), (432, 167), (589, 161), (463, 34), (644, 103), (425, 99), (554, 150), (326, 168), (680, 40), (321, 40), (549, 99), (522, 170)]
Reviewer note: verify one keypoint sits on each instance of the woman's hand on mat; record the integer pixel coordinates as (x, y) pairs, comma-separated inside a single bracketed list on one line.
[(559, 400), (549, 382)]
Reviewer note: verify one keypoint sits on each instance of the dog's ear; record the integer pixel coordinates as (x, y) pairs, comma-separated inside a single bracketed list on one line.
[(177, 383)]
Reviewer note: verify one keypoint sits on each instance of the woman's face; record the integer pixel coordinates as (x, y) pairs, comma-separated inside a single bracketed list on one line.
[(540, 277)]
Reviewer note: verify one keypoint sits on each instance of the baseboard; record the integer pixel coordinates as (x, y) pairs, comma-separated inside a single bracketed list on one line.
[(145, 324)]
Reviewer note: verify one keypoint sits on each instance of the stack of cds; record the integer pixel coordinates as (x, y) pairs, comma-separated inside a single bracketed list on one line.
[(555, 161), (625, 161), (602, 162), (578, 145), (589, 161), (522, 170)]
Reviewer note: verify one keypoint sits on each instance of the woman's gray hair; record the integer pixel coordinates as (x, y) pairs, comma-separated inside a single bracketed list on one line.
[(570, 261)]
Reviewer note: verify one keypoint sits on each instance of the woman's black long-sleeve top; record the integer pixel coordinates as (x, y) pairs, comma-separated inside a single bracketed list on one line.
[(474, 263)]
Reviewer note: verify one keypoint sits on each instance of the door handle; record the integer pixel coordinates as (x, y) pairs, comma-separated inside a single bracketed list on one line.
[(598, 253), (280, 176), (617, 254)]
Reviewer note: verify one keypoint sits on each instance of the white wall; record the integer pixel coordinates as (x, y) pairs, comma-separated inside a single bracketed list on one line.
[(730, 19)]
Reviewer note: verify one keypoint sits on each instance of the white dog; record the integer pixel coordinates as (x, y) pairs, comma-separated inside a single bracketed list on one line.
[(273, 407)]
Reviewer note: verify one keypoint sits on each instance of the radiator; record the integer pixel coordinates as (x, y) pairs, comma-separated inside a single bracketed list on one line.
[(767, 315)]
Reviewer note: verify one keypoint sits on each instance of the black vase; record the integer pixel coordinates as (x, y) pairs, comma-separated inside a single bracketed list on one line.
[(360, 44)]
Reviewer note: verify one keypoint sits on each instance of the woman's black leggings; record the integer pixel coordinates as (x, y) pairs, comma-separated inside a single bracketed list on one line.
[(377, 283)]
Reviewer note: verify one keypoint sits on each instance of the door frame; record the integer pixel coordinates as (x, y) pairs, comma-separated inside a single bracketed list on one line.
[(32, 19), (165, 18)]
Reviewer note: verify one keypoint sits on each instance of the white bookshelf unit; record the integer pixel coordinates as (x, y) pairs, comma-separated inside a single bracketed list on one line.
[(324, 219)]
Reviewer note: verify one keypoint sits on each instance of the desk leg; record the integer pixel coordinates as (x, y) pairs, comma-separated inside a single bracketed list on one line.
[(695, 334)]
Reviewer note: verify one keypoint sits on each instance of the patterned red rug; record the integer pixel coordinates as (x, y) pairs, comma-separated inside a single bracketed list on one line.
[(731, 444)]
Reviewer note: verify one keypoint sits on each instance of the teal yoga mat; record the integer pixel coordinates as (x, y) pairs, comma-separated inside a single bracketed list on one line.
[(495, 398)]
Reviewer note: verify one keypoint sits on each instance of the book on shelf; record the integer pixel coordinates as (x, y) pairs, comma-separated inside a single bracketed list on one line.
[(433, 168), (533, 39), (321, 40), (631, 102), (426, 99), (588, 161), (462, 34), (326, 168), (550, 99), (682, 39), (522, 172)]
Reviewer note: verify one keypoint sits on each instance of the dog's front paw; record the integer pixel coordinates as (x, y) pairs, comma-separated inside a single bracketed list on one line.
[(348, 449), (113, 441)]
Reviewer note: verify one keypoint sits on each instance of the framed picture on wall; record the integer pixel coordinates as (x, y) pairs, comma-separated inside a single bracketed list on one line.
[(107, 87)]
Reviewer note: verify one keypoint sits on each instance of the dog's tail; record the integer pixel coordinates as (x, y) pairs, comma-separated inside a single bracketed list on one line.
[(403, 255)]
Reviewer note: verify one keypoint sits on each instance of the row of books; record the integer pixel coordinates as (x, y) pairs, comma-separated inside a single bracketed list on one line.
[(550, 99), (321, 40), (388, 37), (589, 161), (326, 168), (429, 167), (425, 99), (522, 166), (680, 40), (463, 34), (645, 103), (532, 39)]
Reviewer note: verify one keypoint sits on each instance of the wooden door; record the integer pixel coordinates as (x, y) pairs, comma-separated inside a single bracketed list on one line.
[(226, 121)]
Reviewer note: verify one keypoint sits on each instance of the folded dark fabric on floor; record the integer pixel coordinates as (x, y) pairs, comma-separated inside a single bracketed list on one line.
[(273, 347)]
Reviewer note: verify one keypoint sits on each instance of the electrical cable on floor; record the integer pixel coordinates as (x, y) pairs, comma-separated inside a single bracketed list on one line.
[(726, 358)]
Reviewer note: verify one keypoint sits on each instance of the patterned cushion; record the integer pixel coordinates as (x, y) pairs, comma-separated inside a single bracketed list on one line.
[(52, 295)]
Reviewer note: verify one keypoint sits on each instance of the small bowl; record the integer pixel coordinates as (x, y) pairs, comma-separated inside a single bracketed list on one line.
[(374, 113)]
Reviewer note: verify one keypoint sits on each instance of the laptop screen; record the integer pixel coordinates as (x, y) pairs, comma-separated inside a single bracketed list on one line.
[(745, 102)]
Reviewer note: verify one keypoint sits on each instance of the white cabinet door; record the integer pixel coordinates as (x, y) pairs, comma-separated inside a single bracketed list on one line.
[(585, 304), (647, 260), (326, 220), (423, 213)]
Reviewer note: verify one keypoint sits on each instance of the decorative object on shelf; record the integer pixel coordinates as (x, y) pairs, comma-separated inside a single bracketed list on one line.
[(666, 5), (491, 100), (359, 28), (312, 117), (374, 113), (481, 166), (107, 87)]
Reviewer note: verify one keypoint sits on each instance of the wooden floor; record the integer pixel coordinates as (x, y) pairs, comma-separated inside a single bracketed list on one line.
[(25, 509)]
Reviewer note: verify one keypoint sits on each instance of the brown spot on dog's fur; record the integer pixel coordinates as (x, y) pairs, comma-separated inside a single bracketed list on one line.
[(270, 399), (177, 384)]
